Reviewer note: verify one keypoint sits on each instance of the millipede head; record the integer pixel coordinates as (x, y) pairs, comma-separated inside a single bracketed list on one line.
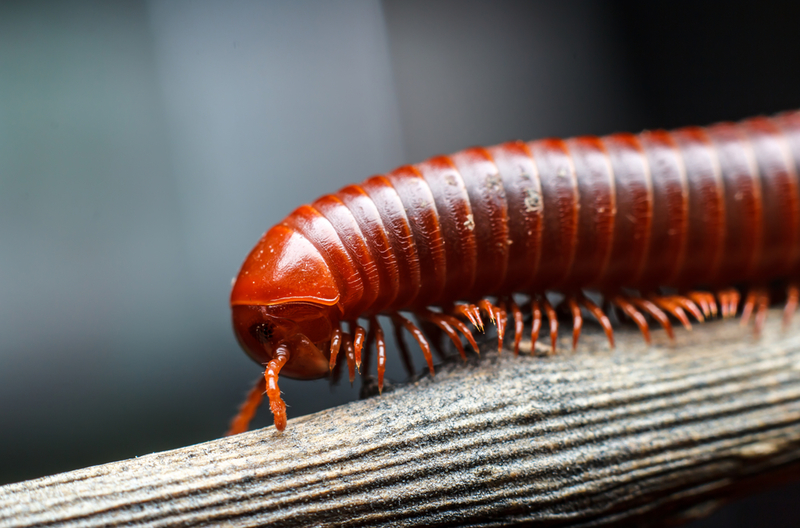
[(286, 294)]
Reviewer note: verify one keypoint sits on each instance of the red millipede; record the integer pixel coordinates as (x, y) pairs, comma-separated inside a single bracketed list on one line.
[(698, 211)]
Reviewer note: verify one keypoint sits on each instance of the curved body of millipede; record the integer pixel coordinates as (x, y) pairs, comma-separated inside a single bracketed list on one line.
[(699, 211)]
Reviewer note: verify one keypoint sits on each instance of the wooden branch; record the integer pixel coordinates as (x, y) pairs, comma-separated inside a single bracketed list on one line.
[(596, 437)]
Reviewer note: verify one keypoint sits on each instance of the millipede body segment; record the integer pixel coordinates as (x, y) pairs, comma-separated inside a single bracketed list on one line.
[(457, 240)]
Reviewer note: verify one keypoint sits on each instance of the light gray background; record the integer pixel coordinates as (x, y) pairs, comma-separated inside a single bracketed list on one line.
[(145, 146)]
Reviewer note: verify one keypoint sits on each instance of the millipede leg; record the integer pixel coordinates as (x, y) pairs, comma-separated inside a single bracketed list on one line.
[(712, 303), (536, 322), (634, 314), (729, 301), (336, 374), (441, 321), (702, 303), (418, 335), (490, 310), (458, 325), (749, 304), (434, 334), (688, 305), (497, 317), (502, 321), (405, 355), (359, 334), (706, 302), (552, 318), (577, 320), (600, 316), (471, 312), (276, 403), (669, 305), (380, 345), (722, 295), (656, 313), (464, 329), (248, 409), (757, 301), (792, 296), (519, 324), (336, 343)]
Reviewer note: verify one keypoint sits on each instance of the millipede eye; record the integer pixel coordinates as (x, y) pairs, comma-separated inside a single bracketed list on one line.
[(263, 332)]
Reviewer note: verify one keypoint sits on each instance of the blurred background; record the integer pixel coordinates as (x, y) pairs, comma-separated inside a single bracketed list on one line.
[(145, 146)]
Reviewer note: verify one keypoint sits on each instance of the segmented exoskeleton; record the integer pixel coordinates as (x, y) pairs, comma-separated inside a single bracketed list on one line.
[(626, 215)]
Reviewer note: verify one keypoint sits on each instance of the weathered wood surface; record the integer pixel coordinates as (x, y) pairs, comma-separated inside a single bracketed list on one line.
[(596, 437)]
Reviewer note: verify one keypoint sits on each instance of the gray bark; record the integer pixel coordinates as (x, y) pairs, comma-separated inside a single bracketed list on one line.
[(590, 438)]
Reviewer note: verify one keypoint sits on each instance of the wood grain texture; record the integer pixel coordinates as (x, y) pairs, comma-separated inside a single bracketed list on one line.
[(596, 437)]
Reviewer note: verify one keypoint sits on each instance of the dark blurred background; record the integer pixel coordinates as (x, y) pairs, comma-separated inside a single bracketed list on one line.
[(145, 146)]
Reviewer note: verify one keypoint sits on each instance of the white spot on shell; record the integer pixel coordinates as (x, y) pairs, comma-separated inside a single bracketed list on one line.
[(470, 222), (493, 182), (533, 200)]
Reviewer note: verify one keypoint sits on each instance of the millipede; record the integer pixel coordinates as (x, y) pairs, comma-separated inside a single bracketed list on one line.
[(662, 225)]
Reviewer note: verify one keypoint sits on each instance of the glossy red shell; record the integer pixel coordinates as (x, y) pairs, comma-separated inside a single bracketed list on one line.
[(707, 207)]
